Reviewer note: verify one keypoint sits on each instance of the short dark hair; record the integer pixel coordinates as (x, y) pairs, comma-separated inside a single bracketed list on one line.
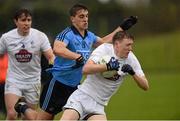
[(120, 35), (76, 8), (20, 12)]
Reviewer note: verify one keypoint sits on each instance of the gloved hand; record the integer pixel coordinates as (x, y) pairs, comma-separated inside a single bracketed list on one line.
[(128, 22), (113, 64), (126, 68), (79, 62)]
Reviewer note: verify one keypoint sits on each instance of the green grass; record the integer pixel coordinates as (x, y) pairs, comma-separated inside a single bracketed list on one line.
[(161, 101), (159, 52)]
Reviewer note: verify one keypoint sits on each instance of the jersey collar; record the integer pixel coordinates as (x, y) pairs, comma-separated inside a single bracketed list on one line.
[(75, 31)]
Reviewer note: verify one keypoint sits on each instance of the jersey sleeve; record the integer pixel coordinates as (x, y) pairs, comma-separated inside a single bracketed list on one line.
[(64, 36), (136, 65), (45, 44), (63, 39), (2, 45)]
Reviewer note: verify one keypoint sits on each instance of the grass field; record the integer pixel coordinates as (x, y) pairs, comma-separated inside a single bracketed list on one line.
[(159, 52), (160, 102)]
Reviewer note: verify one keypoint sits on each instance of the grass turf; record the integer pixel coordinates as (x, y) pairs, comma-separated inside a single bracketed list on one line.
[(160, 102)]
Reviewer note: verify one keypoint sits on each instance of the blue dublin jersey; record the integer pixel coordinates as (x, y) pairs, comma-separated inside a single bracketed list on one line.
[(63, 69)]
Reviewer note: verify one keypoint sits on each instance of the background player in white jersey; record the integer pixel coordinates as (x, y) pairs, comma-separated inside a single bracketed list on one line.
[(88, 101), (24, 46)]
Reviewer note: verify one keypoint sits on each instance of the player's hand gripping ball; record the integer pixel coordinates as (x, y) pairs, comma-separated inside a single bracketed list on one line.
[(112, 66)]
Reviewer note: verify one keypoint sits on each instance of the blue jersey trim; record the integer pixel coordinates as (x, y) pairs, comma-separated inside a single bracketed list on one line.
[(63, 34)]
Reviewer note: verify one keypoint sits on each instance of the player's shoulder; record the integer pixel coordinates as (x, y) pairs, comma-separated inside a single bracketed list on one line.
[(106, 46), (131, 56), (90, 33), (67, 32), (10, 33), (36, 31)]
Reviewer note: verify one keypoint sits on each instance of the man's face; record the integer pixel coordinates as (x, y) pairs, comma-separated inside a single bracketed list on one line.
[(123, 48), (23, 24), (80, 20)]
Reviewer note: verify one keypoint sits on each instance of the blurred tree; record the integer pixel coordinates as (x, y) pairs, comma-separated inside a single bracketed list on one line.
[(52, 16)]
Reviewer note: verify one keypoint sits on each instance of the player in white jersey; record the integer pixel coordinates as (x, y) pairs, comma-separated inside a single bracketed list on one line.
[(24, 46), (88, 101)]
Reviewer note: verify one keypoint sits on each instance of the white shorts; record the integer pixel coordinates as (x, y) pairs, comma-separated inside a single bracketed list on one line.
[(84, 104), (31, 92)]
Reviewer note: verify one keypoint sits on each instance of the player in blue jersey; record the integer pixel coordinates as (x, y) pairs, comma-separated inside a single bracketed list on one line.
[(72, 48)]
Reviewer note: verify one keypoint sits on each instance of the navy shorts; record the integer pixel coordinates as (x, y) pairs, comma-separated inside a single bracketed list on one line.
[(54, 96)]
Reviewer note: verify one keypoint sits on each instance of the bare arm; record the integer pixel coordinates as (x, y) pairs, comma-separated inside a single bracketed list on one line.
[(107, 38), (90, 67), (61, 50), (141, 81), (49, 56)]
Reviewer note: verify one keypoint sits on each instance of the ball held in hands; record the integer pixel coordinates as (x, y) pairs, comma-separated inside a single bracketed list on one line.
[(112, 66)]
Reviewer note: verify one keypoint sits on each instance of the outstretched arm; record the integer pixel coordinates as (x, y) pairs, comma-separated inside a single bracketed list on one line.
[(107, 38), (126, 24)]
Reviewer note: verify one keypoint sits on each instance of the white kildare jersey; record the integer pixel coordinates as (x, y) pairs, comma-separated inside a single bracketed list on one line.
[(101, 89), (24, 54)]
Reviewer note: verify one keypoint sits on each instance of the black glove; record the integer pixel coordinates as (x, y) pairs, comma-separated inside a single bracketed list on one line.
[(128, 22), (79, 62), (127, 68), (113, 64)]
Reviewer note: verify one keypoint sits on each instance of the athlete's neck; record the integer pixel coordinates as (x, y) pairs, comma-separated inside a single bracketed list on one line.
[(22, 33), (80, 30)]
